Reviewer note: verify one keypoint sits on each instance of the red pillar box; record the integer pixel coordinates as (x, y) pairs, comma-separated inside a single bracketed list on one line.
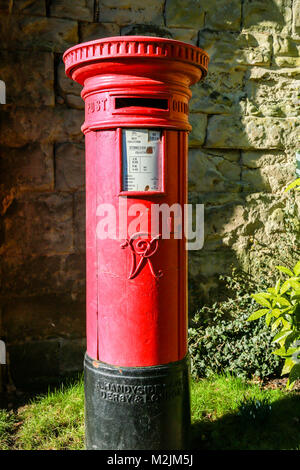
[(136, 93)]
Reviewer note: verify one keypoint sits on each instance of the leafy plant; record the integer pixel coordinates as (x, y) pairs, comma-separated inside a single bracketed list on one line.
[(222, 341), (282, 312)]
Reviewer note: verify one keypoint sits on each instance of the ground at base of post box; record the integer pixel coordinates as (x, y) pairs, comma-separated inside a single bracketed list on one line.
[(55, 420)]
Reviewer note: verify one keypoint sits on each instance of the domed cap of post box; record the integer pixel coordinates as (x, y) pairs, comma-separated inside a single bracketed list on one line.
[(135, 81), (115, 54)]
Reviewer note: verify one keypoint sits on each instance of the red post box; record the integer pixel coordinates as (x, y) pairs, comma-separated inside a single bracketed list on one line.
[(136, 93)]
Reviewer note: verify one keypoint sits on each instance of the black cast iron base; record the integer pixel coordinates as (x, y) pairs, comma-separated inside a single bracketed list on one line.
[(134, 408)]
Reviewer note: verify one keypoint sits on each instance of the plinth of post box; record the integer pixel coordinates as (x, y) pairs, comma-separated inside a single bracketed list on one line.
[(136, 93)]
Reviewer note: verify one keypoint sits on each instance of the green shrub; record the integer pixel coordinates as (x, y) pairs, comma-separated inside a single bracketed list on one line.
[(221, 340), (282, 307), (282, 312)]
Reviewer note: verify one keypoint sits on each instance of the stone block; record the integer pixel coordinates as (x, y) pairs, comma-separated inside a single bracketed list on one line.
[(6, 6), (207, 263), (189, 36), (286, 46), (187, 14), (268, 15), (272, 92), (264, 158), (29, 77), (198, 122), (220, 92), (287, 62), (286, 52), (124, 12), (222, 223), (23, 275), (145, 30), (79, 221), (201, 290), (223, 15), (69, 167), (211, 199), (257, 220), (39, 225), (269, 178), (73, 101), (73, 274), (265, 216), (37, 32), (65, 84), (82, 10), (206, 289), (213, 172), (27, 168), (71, 355), (239, 132), (34, 364), (296, 17), (271, 211), (243, 232), (230, 49), (68, 90), (22, 126), (43, 317), (29, 7), (92, 31)]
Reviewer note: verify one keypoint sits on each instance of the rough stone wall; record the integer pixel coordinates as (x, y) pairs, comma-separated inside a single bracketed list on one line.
[(242, 154)]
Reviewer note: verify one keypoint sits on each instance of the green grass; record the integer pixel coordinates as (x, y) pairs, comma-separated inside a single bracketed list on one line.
[(56, 420), (51, 422), (219, 421), (7, 421)]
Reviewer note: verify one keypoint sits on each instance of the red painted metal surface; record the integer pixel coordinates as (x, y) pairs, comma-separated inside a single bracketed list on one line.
[(136, 286)]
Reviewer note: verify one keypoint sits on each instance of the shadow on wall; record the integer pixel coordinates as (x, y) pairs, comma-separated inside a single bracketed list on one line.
[(243, 142), (241, 156)]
